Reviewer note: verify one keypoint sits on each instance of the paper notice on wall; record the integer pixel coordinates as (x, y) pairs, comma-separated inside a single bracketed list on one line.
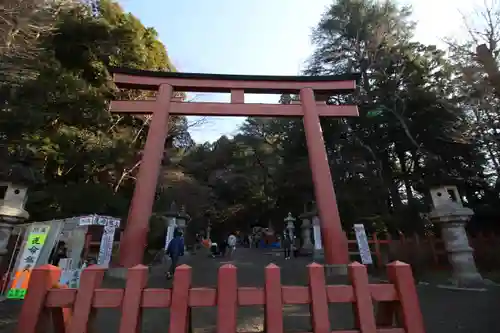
[(108, 221), (86, 220), (99, 220), (28, 259), (106, 248), (363, 246), (112, 222)]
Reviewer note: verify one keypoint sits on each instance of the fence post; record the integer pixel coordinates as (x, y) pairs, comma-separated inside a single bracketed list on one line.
[(34, 317), (137, 279), (363, 307), (274, 302), (83, 314), (401, 276), (319, 300), (227, 299), (179, 310)]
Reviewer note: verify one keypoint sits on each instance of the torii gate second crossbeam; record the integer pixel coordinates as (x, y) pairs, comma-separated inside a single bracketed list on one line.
[(166, 83)]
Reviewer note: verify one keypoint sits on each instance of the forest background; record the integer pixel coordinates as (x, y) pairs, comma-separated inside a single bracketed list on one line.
[(428, 116)]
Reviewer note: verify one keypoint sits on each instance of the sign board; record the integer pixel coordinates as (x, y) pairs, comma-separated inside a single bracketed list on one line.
[(65, 263), (70, 278), (317, 233), (106, 248), (363, 246), (172, 224), (29, 257)]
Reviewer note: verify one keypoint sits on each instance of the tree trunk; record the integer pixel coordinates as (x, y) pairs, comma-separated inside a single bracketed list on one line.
[(406, 176), (390, 184)]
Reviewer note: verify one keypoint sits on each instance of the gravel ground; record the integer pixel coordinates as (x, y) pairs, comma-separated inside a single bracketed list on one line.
[(445, 311)]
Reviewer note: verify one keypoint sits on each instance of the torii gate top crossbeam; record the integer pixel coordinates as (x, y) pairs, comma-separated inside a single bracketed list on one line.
[(237, 85), (224, 83)]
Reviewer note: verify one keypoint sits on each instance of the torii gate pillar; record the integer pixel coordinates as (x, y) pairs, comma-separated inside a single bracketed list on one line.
[(133, 244), (333, 237)]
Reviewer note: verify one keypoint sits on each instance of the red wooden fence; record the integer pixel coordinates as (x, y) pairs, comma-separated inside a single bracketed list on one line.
[(72, 310), (486, 247)]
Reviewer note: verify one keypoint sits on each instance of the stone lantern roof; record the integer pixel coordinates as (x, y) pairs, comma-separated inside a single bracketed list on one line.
[(15, 180), (174, 211), (309, 213)]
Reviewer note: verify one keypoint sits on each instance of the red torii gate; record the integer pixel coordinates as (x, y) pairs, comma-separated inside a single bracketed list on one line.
[(165, 83)]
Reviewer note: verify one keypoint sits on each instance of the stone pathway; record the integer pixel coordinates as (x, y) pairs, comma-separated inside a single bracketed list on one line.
[(445, 311)]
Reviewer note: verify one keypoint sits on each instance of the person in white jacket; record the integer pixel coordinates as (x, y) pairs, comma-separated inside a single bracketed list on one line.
[(231, 243)]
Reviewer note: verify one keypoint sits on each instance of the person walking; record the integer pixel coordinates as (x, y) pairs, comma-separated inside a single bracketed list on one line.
[(222, 246), (175, 249), (295, 246), (231, 242), (287, 246)]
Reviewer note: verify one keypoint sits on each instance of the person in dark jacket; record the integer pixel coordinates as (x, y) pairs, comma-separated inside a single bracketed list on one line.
[(60, 252), (175, 249), (222, 246), (287, 246)]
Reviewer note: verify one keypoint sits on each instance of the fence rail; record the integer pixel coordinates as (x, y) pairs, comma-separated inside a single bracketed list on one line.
[(431, 248), (72, 310)]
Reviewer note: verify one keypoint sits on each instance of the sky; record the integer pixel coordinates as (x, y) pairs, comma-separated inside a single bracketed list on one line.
[(267, 37)]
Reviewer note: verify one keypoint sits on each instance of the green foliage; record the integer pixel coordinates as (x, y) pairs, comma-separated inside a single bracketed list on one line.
[(58, 122)]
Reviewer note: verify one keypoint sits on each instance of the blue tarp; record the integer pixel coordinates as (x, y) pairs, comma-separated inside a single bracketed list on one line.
[(263, 245)]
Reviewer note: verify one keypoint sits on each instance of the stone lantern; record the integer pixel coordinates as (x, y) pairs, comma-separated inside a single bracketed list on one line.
[(450, 214), (12, 213), (310, 222), (290, 226), (12, 204), (306, 241)]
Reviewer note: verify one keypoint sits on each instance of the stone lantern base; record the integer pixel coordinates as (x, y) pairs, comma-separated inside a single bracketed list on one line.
[(452, 219)]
